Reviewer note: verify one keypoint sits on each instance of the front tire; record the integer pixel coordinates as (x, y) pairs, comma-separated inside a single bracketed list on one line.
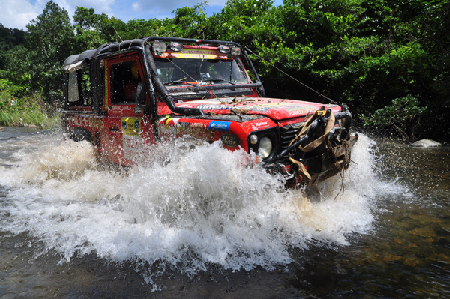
[(80, 134)]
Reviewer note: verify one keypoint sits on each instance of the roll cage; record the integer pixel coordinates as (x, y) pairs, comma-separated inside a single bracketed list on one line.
[(93, 59)]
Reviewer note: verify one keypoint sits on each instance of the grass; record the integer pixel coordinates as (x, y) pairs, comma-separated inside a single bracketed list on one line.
[(30, 111)]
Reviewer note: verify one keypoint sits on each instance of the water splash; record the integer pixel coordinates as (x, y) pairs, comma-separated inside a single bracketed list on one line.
[(202, 208)]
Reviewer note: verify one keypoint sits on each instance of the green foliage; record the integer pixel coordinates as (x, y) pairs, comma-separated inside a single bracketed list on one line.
[(88, 28), (25, 111), (142, 28), (9, 38), (50, 39), (244, 21), (10, 87), (362, 52), (190, 21), (376, 79), (17, 70), (402, 115)]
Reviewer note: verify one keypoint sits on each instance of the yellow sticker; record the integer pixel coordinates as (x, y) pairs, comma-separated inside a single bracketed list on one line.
[(131, 126), (196, 53)]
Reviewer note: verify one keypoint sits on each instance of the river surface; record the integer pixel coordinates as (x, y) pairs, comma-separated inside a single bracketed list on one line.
[(203, 226)]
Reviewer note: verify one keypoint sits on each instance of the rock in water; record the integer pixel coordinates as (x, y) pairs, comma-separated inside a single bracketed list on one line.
[(426, 143)]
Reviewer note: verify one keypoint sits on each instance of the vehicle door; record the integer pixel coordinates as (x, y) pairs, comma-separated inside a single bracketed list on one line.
[(129, 129)]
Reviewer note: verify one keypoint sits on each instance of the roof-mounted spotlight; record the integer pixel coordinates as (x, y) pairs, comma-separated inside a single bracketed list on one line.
[(229, 50), (236, 51), (176, 47), (159, 47), (224, 49)]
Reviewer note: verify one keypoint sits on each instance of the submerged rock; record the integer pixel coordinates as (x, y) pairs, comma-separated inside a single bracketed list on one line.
[(426, 143)]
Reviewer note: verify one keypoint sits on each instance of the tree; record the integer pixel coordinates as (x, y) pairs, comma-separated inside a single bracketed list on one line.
[(88, 28), (141, 28), (402, 115), (190, 21), (50, 41)]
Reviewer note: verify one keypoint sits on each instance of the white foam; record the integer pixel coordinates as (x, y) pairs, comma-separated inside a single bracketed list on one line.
[(203, 207)]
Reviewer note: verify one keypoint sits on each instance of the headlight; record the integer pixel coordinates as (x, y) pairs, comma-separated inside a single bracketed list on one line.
[(265, 147)]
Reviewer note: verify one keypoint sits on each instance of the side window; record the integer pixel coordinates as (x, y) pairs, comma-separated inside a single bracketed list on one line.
[(79, 92), (125, 79), (74, 95)]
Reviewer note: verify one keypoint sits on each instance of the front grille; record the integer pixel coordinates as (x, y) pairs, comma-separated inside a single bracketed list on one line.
[(287, 134)]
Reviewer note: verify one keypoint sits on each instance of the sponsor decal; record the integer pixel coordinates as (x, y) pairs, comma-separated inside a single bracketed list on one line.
[(198, 125), (214, 107), (195, 53), (260, 125), (131, 136), (138, 110), (184, 124), (121, 108), (219, 125), (131, 126)]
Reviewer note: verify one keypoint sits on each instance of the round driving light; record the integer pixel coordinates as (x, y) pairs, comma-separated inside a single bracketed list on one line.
[(265, 147), (159, 47), (176, 47), (253, 139)]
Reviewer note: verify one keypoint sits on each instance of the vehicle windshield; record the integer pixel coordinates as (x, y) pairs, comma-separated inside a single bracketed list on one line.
[(173, 71)]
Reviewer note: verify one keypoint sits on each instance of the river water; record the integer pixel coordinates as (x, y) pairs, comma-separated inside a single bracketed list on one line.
[(203, 226)]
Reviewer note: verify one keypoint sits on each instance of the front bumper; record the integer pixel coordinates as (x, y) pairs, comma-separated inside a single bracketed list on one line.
[(320, 149)]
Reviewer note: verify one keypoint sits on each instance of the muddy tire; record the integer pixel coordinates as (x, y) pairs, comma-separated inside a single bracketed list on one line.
[(80, 134)]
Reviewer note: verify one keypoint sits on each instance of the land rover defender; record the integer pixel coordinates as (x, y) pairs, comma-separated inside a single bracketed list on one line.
[(126, 96)]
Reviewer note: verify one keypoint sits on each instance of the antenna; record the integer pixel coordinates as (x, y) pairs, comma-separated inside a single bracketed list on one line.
[(121, 40), (295, 79)]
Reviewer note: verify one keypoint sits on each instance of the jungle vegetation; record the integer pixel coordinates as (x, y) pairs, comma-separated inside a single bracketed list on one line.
[(388, 60)]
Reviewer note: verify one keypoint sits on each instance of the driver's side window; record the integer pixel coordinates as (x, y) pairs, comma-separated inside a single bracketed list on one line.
[(126, 83)]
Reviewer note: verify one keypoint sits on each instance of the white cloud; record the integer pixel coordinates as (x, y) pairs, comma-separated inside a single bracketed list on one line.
[(170, 5), (136, 6), (99, 6), (17, 13), (216, 2)]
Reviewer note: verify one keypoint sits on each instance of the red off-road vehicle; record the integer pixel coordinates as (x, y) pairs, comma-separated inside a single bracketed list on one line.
[(126, 96)]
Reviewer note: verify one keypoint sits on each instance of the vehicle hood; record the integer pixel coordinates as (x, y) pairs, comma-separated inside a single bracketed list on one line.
[(276, 109)]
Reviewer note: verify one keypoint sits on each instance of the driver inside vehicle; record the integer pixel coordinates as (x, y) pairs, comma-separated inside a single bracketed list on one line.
[(130, 90), (126, 83)]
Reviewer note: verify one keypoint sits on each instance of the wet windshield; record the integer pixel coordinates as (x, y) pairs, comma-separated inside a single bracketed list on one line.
[(174, 71)]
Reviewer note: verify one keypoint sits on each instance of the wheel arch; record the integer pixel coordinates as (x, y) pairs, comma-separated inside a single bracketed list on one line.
[(81, 134)]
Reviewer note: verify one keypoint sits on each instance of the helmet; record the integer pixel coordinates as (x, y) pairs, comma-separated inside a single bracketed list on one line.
[(135, 70)]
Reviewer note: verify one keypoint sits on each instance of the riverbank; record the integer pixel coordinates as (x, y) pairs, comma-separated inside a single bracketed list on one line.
[(28, 111)]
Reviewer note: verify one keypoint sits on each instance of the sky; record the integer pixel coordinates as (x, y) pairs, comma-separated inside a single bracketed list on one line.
[(18, 13)]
